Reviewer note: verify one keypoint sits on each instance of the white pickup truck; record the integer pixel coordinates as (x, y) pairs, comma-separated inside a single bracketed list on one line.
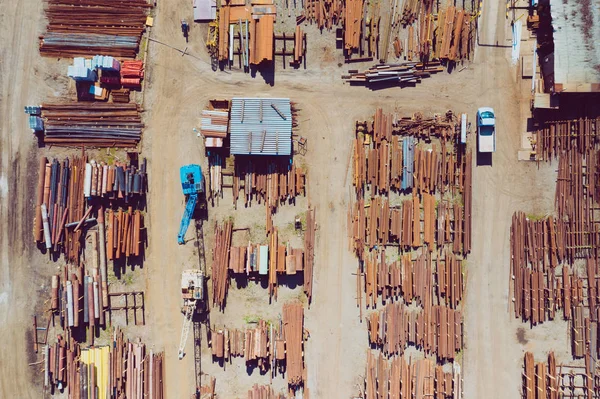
[(486, 130)]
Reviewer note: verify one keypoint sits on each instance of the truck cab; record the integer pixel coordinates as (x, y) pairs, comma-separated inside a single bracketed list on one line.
[(486, 130)]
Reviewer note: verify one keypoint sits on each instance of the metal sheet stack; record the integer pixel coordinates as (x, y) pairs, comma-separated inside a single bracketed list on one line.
[(90, 27), (92, 124)]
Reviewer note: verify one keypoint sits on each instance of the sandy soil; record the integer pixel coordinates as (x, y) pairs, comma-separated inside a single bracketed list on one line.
[(178, 87)]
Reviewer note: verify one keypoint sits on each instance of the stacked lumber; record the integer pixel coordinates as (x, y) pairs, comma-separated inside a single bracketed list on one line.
[(437, 330), (325, 13), (124, 233), (554, 137), (121, 369), (353, 16), (92, 124), (208, 391), (219, 277), (293, 322), (61, 209), (420, 378), (246, 260), (454, 34), (272, 183), (120, 95), (90, 27), (392, 74), (263, 392), (309, 252)]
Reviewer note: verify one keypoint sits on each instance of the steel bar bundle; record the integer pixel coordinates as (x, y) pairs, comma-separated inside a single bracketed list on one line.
[(221, 253), (353, 15), (309, 252), (293, 322), (418, 379), (92, 124), (122, 369), (89, 27), (283, 259), (554, 137), (393, 74)]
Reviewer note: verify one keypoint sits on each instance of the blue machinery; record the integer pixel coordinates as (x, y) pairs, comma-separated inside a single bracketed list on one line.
[(192, 184)]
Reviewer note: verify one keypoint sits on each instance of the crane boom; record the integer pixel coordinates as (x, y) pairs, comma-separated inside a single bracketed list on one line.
[(185, 330), (187, 216)]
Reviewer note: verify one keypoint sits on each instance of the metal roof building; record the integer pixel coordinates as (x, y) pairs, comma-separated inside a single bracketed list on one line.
[(576, 48), (261, 126)]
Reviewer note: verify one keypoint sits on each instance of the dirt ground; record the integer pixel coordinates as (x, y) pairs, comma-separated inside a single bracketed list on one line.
[(177, 89)]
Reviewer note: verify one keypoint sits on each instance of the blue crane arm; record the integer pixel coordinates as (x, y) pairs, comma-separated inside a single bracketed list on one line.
[(187, 217)]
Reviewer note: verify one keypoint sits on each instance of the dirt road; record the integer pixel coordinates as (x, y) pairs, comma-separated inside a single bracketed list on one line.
[(493, 355), (21, 83)]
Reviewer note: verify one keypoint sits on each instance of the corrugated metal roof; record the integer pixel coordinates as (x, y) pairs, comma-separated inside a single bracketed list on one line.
[(576, 47), (257, 127), (205, 10)]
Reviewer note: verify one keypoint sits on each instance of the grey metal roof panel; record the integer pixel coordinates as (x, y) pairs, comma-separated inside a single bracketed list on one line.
[(257, 128), (576, 52)]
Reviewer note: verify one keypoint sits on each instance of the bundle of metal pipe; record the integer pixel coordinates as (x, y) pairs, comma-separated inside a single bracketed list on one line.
[(122, 369), (70, 191), (393, 74), (89, 27), (92, 124), (124, 233)]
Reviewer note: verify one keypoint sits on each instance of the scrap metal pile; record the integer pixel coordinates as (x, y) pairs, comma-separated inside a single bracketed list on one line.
[(392, 74), (410, 228), (71, 193), (92, 124), (277, 347), (89, 27), (122, 369)]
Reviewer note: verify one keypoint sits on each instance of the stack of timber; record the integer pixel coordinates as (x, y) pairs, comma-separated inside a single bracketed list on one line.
[(324, 13), (221, 253), (255, 30), (455, 35), (70, 193), (207, 391), (263, 392), (92, 124), (120, 95), (90, 27), (393, 74), (273, 183), (421, 378), (123, 369), (437, 330), (555, 137)]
